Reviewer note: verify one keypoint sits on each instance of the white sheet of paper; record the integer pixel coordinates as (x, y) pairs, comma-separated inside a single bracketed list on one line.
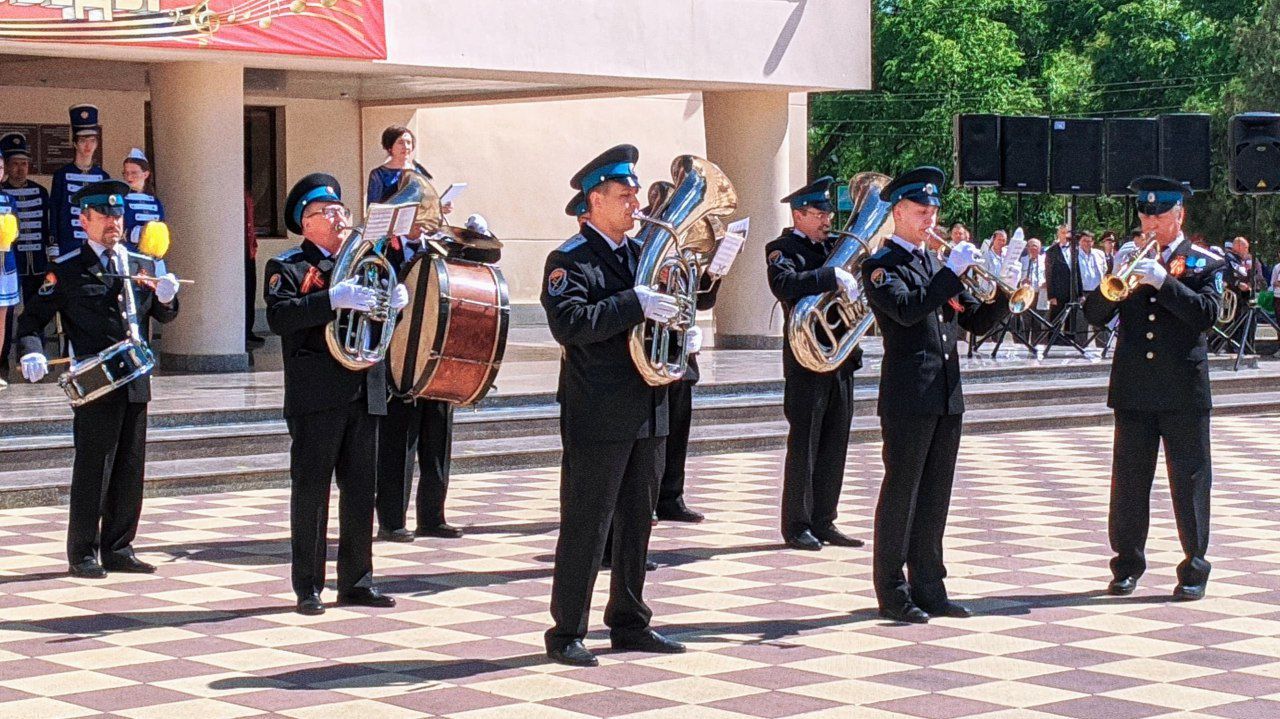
[(735, 236), (377, 221), (405, 215), (1011, 260), (454, 191)]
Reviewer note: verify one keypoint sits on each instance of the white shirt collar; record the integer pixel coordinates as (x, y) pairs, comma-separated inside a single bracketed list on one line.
[(612, 245), (98, 249), (1167, 252), (905, 245)]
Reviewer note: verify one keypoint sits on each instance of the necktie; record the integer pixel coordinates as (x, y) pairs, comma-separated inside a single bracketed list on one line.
[(109, 261)]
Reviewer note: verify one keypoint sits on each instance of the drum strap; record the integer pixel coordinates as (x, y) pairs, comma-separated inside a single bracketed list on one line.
[(415, 331)]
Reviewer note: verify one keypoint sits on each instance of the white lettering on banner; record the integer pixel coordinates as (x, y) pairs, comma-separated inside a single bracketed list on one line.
[(91, 9)]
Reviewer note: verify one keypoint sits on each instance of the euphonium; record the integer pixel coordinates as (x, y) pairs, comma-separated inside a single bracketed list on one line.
[(359, 339), (679, 239), (823, 329)]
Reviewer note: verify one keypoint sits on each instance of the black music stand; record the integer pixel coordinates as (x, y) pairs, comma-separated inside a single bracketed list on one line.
[(1243, 327)]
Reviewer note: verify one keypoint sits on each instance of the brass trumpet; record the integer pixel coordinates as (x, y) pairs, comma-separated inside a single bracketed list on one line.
[(984, 284), (1117, 286)]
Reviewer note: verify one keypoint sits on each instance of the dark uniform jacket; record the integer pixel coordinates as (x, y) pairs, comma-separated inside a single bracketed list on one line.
[(92, 308), (591, 307), (1161, 359), (297, 295), (912, 302), (796, 268), (707, 292)]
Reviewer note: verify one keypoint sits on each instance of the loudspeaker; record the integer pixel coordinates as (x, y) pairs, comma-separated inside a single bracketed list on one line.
[(1253, 153), (1133, 150), (1185, 149), (1024, 154), (1075, 156), (977, 150)]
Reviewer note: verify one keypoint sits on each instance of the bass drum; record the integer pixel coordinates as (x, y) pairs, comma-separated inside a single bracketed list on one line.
[(449, 342)]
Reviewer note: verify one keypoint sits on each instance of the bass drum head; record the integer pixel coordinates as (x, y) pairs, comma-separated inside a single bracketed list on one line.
[(421, 320)]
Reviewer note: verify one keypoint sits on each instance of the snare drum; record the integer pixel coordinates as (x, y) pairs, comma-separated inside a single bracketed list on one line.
[(110, 369)]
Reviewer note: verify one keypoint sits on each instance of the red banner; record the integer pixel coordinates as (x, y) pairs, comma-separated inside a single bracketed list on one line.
[(321, 28)]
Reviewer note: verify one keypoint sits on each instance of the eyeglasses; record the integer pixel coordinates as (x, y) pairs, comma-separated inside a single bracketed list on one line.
[(332, 212)]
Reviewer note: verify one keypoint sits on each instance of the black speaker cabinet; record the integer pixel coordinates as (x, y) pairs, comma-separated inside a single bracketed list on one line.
[(1075, 156), (1253, 153), (1185, 149), (977, 150), (1024, 154), (1133, 150)]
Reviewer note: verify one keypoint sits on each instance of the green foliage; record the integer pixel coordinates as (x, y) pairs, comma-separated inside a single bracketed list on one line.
[(934, 59)]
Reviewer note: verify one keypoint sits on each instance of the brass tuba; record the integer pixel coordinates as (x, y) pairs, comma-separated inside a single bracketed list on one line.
[(679, 239), (823, 329), (359, 339)]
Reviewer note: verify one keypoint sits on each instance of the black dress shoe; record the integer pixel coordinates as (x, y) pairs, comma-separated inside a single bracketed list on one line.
[(130, 564), (679, 513), (645, 640), (395, 535), (833, 536), (442, 530), (88, 569), (950, 609), (804, 540), (366, 597), (573, 654), (1188, 592), (907, 613), (649, 564), (310, 606), (254, 339), (1123, 586)]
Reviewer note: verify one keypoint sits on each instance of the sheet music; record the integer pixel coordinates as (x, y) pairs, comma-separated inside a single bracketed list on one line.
[(403, 223), (453, 192), (377, 223), (735, 237), (1011, 259)]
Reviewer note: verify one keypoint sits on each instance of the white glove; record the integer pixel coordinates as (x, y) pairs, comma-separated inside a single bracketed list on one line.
[(847, 283), (34, 367), (166, 288), (1150, 272), (351, 295), (477, 223), (657, 306), (693, 340), (963, 256), (399, 297)]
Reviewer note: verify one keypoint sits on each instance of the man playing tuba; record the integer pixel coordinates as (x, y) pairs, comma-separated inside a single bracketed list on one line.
[(329, 409), (818, 405)]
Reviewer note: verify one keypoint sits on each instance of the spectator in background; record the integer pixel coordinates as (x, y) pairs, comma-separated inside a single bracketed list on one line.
[(140, 206), (68, 180), (993, 248), (1058, 275), (1107, 243), (400, 144), (250, 273), (1093, 263)]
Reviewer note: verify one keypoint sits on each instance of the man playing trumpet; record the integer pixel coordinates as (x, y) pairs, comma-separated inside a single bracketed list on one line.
[(1167, 300)]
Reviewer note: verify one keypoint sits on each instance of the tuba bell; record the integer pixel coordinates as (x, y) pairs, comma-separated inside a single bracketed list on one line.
[(823, 329), (680, 236), (359, 339)]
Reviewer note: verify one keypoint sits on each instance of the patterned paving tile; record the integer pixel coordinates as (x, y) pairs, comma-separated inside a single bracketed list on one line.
[(772, 632)]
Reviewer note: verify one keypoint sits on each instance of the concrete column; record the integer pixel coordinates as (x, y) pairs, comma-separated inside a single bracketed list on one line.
[(197, 111), (751, 136)]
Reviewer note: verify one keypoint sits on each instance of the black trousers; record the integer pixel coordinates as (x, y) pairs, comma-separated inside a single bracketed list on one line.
[(603, 483), (1138, 437), (819, 410), (425, 429), (911, 515), (110, 436), (344, 441), (679, 422)]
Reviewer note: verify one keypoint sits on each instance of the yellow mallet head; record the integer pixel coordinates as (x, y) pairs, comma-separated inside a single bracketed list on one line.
[(155, 240), (8, 231)]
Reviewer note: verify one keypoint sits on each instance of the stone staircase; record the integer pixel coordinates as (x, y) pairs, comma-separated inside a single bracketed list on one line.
[(245, 445)]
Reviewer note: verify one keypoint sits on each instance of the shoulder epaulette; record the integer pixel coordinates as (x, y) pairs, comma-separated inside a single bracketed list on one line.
[(289, 255), (572, 243), (69, 255)]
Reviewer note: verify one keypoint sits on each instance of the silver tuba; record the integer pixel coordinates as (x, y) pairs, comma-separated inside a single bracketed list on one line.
[(679, 239), (823, 329), (359, 339)]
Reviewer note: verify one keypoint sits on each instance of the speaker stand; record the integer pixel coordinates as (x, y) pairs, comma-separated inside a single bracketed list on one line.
[(973, 340)]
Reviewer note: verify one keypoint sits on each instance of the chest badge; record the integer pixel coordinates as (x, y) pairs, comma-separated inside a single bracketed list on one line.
[(774, 257), (313, 280), (50, 282), (879, 278), (1178, 267)]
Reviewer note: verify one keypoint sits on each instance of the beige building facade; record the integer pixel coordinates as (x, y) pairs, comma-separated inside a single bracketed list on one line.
[(509, 97)]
